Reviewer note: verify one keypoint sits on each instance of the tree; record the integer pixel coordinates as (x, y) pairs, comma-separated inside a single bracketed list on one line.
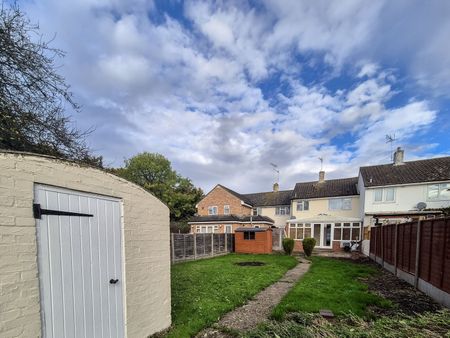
[(33, 95), (154, 173)]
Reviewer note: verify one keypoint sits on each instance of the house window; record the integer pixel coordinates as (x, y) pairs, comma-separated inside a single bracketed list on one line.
[(340, 204), (300, 231), (209, 229), (197, 229), (438, 191), (228, 228), (226, 209), (282, 210), (212, 210), (347, 231), (256, 211), (302, 205), (248, 235), (384, 195)]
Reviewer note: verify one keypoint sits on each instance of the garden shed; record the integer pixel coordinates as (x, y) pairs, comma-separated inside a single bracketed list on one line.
[(253, 240), (83, 253)]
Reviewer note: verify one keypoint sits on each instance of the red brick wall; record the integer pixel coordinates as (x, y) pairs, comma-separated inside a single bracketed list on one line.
[(220, 197), (262, 244)]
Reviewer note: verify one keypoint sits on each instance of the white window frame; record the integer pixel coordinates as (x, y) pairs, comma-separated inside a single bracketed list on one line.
[(256, 211), (384, 195), (299, 227), (228, 226), (286, 210), (342, 203), (301, 205), (353, 225), (226, 209), (211, 208), (440, 187)]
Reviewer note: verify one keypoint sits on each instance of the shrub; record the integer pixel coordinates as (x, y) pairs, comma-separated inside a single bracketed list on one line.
[(308, 246), (288, 246)]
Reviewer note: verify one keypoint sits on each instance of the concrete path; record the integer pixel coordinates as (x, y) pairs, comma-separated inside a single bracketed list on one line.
[(259, 308)]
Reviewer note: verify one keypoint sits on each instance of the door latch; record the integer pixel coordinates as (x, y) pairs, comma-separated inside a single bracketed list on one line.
[(113, 281)]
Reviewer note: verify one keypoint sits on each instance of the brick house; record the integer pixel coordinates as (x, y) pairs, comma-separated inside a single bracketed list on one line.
[(223, 210)]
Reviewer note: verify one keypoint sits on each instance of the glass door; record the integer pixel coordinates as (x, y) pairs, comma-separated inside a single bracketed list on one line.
[(317, 235), (326, 236)]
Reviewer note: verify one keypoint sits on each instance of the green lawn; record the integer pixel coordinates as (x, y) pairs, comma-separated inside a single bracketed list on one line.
[(331, 284), (204, 290)]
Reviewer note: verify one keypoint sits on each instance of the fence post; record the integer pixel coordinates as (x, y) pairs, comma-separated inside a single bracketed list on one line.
[(382, 245), (416, 270), (173, 247), (195, 245), (184, 246), (226, 242), (443, 251), (395, 249), (212, 244)]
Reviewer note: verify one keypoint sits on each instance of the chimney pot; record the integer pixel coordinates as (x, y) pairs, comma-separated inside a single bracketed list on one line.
[(276, 187), (399, 156), (321, 176)]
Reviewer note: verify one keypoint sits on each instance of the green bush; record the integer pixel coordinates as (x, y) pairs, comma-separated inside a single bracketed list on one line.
[(288, 246), (308, 246)]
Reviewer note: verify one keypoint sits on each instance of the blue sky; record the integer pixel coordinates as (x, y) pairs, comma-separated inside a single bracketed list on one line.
[(224, 88)]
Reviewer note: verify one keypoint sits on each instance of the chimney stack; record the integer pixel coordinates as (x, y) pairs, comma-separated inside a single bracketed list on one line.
[(398, 156), (321, 176), (276, 187)]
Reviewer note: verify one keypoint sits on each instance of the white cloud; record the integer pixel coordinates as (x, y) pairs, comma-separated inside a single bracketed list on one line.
[(196, 95)]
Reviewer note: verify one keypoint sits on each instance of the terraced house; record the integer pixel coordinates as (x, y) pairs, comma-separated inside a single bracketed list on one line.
[(336, 211), (223, 210)]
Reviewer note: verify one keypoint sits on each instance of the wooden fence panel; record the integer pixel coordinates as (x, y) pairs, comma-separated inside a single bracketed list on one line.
[(428, 247), (196, 246)]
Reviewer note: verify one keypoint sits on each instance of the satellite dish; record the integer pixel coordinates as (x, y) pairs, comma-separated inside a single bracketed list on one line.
[(421, 205)]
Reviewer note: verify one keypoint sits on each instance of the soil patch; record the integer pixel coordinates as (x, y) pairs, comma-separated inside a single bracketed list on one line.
[(250, 263), (405, 297)]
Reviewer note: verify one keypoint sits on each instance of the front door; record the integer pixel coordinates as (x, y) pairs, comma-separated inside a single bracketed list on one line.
[(80, 263)]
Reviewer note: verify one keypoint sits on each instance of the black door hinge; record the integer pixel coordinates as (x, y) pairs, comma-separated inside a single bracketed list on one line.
[(38, 212)]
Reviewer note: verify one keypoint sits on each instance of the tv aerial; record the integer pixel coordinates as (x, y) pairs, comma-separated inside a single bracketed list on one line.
[(275, 168)]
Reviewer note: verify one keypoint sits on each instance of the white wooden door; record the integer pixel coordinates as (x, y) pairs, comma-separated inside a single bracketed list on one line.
[(80, 264)]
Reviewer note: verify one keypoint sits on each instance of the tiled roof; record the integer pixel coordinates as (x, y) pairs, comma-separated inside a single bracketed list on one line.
[(435, 169), (328, 188), (238, 195), (265, 199), (229, 218)]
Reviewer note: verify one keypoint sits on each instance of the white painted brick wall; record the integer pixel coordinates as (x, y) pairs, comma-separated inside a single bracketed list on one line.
[(146, 244)]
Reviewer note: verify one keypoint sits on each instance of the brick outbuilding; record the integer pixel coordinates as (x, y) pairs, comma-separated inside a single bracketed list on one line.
[(253, 240)]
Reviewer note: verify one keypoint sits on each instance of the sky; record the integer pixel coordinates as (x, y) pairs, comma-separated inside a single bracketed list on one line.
[(224, 88)]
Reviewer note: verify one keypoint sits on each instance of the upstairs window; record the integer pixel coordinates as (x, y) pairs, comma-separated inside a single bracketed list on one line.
[(340, 204), (302, 205), (384, 195), (438, 191), (213, 210), (286, 210), (226, 209), (248, 235), (256, 211)]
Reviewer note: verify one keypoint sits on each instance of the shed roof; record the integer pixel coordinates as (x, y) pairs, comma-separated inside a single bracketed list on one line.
[(430, 170)]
